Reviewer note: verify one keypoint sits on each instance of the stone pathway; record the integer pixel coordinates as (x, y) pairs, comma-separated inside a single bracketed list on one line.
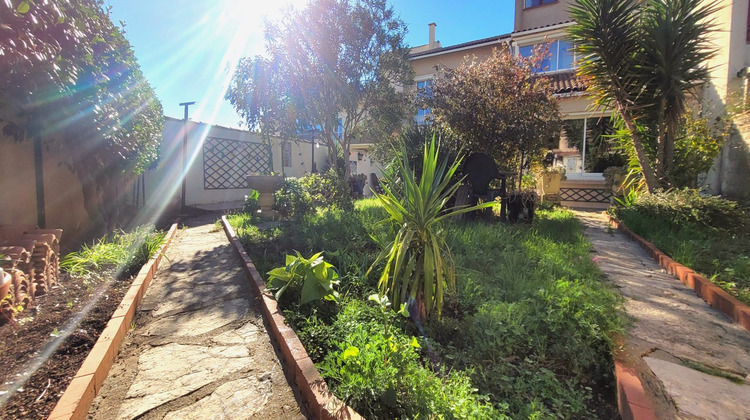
[(199, 349), (682, 348)]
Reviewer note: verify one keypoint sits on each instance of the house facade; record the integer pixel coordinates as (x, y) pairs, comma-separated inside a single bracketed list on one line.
[(580, 149), (538, 22)]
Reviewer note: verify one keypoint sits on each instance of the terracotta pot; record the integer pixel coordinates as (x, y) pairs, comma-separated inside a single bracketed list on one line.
[(265, 183), (5, 282)]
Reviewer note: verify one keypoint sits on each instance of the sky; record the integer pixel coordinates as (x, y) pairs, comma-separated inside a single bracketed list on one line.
[(187, 48)]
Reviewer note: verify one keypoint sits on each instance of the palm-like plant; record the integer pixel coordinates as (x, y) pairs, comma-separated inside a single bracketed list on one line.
[(419, 263), (642, 60)]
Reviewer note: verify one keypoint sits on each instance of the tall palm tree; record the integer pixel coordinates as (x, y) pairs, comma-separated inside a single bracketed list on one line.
[(643, 59)]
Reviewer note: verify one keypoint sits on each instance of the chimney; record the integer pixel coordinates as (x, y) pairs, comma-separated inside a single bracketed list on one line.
[(431, 45)]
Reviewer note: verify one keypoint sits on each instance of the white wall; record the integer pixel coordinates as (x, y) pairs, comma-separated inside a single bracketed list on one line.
[(163, 184), (366, 164)]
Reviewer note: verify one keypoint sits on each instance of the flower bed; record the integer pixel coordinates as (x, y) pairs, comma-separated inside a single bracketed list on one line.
[(708, 234), (526, 332)]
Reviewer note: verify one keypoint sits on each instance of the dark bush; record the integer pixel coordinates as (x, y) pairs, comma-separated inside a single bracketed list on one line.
[(292, 200)]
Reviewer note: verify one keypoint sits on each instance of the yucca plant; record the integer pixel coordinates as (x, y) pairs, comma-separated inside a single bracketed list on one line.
[(419, 263), (643, 60)]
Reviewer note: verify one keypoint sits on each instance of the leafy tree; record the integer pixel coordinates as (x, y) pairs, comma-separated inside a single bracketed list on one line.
[(644, 60), (498, 106), (335, 60), (69, 80)]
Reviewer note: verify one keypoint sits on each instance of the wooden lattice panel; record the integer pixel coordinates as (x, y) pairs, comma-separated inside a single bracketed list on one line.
[(227, 163), (585, 195)]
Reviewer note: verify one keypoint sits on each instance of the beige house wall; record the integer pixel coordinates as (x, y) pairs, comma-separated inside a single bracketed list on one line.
[(538, 16), (727, 90), (424, 67)]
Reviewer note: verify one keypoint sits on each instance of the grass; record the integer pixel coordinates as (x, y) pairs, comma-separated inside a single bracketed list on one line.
[(721, 255), (525, 333), (121, 253)]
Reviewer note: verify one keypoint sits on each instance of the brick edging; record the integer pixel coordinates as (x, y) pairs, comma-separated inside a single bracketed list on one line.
[(78, 396), (321, 402), (709, 292), (632, 400)]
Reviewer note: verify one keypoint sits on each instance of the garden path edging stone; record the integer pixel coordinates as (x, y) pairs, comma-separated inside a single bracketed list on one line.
[(78, 396), (322, 404), (709, 292)]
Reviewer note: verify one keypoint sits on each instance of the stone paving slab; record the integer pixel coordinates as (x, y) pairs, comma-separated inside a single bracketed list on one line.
[(671, 322), (199, 348), (199, 321), (726, 400)]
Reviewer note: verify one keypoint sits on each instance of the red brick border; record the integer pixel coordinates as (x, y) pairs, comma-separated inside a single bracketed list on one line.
[(78, 396), (632, 401), (321, 402), (711, 293)]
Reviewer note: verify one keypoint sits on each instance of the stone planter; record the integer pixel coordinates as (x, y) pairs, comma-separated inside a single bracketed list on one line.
[(551, 183), (549, 186), (266, 185)]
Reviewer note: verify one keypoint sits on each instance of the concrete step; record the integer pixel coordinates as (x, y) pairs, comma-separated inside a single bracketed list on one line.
[(584, 205)]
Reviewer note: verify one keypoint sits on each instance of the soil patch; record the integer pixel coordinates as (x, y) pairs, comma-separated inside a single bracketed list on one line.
[(24, 338)]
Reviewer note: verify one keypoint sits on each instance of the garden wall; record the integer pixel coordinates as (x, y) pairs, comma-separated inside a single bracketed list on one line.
[(219, 160), (62, 191)]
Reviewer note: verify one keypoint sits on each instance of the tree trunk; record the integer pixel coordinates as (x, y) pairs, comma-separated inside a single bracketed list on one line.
[(669, 146), (347, 165), (90, 196), (649, 176)]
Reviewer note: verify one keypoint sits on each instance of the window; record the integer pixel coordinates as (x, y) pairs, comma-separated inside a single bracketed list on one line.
[(534, 3), (424, 90), (560, 56), (339, 132)]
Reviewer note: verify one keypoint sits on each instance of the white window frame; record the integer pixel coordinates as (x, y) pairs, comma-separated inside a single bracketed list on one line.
[(556, 42)]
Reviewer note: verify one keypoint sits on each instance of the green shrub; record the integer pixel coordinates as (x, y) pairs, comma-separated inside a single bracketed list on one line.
[(686, 206), (328, 189), (120, 253), (292, 200), (418, 263), (710, 235), (380, 375), (528, 324), (251, 204)]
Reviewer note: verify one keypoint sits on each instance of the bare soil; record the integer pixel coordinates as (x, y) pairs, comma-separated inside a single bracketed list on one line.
[(34, 330)]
